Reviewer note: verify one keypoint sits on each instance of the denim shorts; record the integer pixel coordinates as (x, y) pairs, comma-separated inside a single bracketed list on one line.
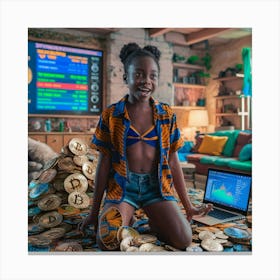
[(142, 190)]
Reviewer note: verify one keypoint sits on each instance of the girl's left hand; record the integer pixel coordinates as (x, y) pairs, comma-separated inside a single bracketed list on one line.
[(204, 209)]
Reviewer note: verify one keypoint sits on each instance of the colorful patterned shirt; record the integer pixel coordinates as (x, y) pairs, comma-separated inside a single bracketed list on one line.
[(110, 139)]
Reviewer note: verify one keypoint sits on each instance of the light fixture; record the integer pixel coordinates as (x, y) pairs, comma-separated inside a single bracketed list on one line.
[(199, 120)]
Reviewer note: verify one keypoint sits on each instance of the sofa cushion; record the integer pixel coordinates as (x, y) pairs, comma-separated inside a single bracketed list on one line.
[(212, 145), (208, 159), (223, 161), (230, 144), (241, 165), (246, 153), (242, 139)]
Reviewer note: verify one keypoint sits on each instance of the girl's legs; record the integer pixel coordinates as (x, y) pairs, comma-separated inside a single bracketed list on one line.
[(169, 223)]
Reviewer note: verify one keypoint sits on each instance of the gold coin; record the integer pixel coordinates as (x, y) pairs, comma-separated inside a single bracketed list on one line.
[(78, 200), (39, 240), (149, 247), (78, 147), (211, 245), (221, 235), (69, 247), (47, 176), (68, 210), (50, 219), (54, 233), (76, 182), (206, 235), (125, 231), (89, 170), (80, 160), (144, 238), (66, 164), (49, 202)]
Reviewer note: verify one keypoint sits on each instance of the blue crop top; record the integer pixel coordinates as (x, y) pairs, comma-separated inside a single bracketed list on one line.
[(150, 136)]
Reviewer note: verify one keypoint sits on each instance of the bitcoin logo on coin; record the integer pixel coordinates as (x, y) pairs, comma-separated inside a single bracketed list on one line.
[(78, 200)]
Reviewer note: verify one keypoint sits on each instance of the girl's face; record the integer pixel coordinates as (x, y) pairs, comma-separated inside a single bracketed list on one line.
[(142, 78)]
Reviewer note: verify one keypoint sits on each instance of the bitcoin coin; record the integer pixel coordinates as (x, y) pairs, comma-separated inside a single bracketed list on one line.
[(69, 246), (206, 235), (49, 202), (194, 247), (66, 164), (144, 238), (76, 182), (68, 210), (50, 219), (35, 229), (237, 233), (125, 231), (89, 169), (77, 147), (54, 233), (211, 245), (47, 176), (33, 211), (39, 240), (78, 200), (38, 190), (80, 160)]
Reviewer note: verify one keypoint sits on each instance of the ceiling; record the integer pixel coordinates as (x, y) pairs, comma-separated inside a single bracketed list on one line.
[(196, 38), (200, 37)]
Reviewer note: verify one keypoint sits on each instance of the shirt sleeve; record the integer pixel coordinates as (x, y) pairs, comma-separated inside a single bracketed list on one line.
[(101, 140), (176, 141)]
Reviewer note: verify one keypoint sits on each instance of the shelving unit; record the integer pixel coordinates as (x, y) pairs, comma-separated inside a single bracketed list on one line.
[(186, 89), (232, 109)]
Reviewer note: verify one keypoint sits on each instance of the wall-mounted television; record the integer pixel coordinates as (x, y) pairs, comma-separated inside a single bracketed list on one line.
[(64, 80)]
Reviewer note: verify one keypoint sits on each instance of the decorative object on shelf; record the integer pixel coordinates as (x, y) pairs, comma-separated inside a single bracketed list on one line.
[(48, 125), (199, 120)]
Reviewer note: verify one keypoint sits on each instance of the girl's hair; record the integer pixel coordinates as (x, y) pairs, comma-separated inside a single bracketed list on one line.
[(132, 50)]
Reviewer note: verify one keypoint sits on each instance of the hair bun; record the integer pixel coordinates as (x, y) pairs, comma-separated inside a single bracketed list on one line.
[(127, 50), (154, 50)]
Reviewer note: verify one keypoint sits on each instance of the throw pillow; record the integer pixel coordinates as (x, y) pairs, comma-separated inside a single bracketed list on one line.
[(246, 153), (212, 145), (230, 144), (242, 139)]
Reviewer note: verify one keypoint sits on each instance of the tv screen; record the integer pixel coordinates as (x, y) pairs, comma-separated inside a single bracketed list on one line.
[(64, 80)]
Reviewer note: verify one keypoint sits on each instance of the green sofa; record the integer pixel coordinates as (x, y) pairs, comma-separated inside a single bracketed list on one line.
[(236, 154)]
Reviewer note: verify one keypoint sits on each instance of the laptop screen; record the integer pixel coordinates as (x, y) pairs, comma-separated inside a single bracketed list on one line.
[(228, 189)]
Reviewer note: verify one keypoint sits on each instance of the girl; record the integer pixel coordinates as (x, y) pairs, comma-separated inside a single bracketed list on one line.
[(138, 167)]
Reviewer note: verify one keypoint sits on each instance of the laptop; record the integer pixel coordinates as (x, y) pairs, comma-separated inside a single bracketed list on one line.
[(229, 192)]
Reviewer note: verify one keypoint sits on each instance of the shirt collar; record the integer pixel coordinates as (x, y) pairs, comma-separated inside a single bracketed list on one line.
[(157, 106)]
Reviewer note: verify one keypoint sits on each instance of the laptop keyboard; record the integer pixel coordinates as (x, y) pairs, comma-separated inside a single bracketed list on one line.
[(221, 214)]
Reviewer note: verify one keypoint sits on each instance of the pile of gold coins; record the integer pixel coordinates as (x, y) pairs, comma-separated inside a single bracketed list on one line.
[(59, 199)]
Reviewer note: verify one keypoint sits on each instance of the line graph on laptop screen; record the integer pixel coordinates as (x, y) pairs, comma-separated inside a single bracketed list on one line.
[(228, 189)]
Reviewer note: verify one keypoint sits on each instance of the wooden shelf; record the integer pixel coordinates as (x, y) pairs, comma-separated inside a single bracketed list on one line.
[(228, 96), (187, 66), (226, 114), (180, 85), (189, 107), (239, 77)]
